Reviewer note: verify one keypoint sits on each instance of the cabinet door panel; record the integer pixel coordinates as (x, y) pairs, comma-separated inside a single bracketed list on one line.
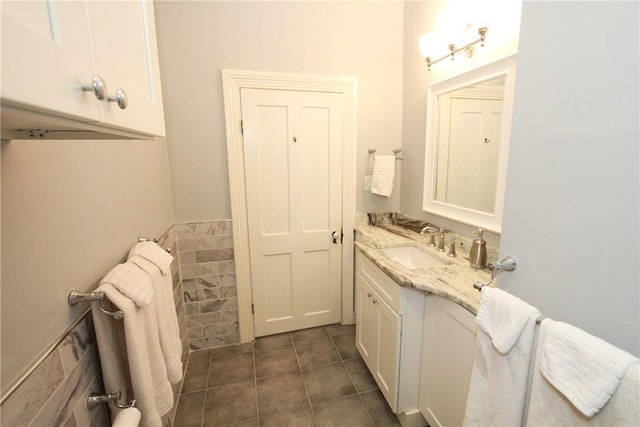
[(125, 53), (46, 58), (448, 351), (387, 351), (365, 322)]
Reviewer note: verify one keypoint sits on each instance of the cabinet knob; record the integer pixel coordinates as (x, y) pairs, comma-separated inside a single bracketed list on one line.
[(375, 300), (97, 86), (369, 294), (121, 99)]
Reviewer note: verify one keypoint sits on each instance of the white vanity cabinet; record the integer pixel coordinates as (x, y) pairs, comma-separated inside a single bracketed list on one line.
[(389, 333), (447, 359), (51, 49)]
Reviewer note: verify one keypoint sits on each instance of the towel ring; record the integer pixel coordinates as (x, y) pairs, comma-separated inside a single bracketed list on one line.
[(508, 263), (76, 297)]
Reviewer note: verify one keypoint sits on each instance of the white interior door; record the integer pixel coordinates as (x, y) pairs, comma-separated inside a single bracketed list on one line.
[(473, 153), (293, 175)]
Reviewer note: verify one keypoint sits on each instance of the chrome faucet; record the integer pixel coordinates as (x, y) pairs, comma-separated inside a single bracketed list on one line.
[(440, 230)]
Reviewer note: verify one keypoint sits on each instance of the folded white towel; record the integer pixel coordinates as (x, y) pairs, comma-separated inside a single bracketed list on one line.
[(584, 368), (503, 317), (580, 372), (135, 366), (168, 328), (504, 348), (383, 174), (132, 282), (154, 253)]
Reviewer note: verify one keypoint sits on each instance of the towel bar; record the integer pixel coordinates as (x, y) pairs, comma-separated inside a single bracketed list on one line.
[(76, 297), (151, 239), (397, 153)]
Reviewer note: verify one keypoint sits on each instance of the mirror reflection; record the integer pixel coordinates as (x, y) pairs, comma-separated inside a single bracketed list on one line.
[(468, 144)]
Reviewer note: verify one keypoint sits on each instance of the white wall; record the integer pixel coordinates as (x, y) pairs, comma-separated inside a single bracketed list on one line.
[(571, 212), (71, 210), (196, 40)]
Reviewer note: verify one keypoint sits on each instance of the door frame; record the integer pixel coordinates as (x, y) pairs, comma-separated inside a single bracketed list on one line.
[(233, 81)]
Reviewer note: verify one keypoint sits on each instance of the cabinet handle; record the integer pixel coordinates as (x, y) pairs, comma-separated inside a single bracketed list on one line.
[(97, 86), (121, 99)]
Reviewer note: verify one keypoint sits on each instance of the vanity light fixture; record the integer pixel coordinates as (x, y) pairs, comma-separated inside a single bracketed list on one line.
[(428, 42)]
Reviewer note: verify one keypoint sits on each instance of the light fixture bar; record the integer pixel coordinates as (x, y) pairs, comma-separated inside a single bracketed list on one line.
[(453, 50)]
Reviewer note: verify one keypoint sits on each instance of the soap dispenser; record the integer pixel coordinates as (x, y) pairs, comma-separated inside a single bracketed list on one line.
[(478, 255)]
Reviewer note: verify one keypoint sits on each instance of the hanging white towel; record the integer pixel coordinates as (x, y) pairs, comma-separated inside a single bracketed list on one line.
[(127, 279), (154, 253), (131, 355), (383, 174), (581, 380), (504, 346), (168, 328)]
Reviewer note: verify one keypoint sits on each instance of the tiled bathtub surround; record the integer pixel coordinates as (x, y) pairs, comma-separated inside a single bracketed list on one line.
[(56, 391), (209, 281)]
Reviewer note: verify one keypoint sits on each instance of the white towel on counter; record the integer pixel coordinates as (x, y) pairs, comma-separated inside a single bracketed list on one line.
[(127, 279), (131, 355), (581, 380), (168, 328), (504, 347), (154, 253), (383, 174)]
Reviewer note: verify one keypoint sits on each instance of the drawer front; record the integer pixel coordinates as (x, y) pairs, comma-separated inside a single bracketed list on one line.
[(388, 290)]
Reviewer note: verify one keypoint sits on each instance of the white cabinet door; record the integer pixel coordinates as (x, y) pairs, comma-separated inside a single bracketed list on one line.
[(447, 360), (126, 57), (387, 364), (51, 49), (378, 339), (46, 58), (366, 332)]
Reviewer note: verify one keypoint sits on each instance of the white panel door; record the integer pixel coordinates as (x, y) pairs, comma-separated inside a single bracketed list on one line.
[(293, 168), (473, 153)]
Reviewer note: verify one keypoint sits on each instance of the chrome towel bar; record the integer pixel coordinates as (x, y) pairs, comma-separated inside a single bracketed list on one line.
[(397, 152), (151, 239), (76, 297)]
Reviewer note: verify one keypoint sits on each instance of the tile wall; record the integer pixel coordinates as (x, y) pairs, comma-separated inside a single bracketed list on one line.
[(55, 392), (209, 282)]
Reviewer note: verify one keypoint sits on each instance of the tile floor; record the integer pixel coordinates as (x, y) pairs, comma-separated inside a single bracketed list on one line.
[(312, 377)]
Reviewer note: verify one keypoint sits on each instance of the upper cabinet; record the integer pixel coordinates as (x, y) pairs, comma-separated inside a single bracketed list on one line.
[(53, 50)]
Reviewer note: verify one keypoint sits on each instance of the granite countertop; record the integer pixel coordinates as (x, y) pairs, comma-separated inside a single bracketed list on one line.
[(454, 280)]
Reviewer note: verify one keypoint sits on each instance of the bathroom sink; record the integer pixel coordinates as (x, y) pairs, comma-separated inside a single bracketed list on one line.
[(412, 257)]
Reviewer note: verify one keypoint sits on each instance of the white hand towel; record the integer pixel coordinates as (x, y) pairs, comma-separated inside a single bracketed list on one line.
[(383, 174), (127, 278), (136, 366), (589, 364), (154, 253), (503, 317), (584, 368), (168, 327), (504, 347)]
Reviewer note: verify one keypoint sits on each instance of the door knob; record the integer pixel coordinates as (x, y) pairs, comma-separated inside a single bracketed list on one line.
[(335, 236)]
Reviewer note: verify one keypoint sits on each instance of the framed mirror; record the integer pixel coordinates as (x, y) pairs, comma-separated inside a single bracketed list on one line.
[(467, 146)]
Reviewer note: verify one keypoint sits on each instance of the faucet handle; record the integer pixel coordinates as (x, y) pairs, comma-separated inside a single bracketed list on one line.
[(432, 240), (452, 248)]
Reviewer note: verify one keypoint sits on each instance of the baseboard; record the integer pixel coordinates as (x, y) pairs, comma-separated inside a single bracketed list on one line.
[(412, 418)]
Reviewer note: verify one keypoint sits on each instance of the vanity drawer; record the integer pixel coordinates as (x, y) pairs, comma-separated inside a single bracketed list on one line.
[(379, 281)]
